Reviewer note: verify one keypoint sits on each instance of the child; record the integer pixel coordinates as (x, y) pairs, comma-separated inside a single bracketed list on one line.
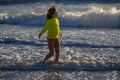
[(52, 25)]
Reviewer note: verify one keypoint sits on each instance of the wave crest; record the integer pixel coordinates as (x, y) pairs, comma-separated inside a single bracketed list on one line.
[(90, 16)]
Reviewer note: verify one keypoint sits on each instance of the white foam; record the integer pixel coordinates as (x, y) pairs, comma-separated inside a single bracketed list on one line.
[(3, 16), (94, 16)]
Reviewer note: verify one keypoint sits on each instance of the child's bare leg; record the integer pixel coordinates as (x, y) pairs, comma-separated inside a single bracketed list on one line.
[(51, 50), (57, 55), (48, 56)]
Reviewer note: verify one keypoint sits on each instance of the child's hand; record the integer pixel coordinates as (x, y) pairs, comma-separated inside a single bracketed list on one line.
[(39, 35), (60, 34)]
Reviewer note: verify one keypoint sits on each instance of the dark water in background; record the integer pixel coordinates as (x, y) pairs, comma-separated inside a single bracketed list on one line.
[(60, 1)]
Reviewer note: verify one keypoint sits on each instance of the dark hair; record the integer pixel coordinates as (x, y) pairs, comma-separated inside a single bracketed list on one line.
[(51, 12)]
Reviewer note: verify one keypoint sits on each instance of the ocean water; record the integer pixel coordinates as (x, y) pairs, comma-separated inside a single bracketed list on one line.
[(90, 45)]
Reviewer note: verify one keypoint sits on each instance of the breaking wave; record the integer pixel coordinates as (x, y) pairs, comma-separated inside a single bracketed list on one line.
[(94, 16)]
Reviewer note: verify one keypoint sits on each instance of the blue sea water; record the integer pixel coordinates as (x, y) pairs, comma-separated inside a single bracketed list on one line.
[(90, 45)]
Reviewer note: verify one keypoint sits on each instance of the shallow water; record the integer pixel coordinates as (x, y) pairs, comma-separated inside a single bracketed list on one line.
[(86, 54), (50, 75)]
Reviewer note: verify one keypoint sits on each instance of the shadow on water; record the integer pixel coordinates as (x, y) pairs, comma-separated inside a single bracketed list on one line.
[(65, 66), (67, 44), (86, 45)]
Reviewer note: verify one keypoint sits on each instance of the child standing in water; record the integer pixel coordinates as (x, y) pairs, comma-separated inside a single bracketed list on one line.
[(52, 25)]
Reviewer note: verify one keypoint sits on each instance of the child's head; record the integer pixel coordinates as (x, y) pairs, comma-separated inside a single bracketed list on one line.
[(52, 12)]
